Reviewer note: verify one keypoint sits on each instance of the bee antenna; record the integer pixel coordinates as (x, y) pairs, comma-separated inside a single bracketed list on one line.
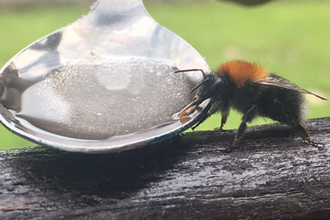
[(191, 70), (199, 85)]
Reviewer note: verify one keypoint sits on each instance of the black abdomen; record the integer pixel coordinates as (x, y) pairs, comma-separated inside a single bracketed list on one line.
[(283, 105)]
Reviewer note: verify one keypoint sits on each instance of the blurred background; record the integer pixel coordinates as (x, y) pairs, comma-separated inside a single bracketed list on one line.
[(289, 37)]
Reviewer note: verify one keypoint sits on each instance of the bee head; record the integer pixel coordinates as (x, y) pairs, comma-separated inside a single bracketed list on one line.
[(208, 88)]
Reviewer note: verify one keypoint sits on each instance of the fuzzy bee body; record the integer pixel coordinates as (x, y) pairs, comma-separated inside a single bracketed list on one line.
[(249, 89), (270, 102)]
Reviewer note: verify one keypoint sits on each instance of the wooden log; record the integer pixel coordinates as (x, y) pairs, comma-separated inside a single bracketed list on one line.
[(271, 175)]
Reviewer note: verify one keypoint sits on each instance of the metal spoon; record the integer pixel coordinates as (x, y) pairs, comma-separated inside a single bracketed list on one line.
[(104, 83)]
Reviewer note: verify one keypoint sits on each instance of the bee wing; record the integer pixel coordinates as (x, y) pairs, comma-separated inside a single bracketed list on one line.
[(279, 82)]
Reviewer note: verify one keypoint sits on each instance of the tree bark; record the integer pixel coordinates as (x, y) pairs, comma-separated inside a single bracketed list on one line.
[(272, 174)]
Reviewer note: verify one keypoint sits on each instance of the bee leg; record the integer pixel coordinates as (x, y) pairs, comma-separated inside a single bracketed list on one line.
[(240, 133), (302, 132), (224, 116), (294, 121), (224, 109), (247, 117)]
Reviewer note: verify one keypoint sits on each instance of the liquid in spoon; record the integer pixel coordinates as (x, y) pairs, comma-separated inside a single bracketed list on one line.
[(89, 100)]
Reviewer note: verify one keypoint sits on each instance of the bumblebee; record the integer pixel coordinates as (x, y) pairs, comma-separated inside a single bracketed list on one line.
[(252, 91)]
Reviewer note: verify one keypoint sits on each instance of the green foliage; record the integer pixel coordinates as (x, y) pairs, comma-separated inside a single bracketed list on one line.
[(290, 38)]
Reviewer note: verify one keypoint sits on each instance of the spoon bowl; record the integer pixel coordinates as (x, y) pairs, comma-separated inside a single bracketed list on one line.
[(104, 83)]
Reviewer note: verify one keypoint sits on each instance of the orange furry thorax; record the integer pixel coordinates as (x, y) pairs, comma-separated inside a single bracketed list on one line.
[(241, 71)]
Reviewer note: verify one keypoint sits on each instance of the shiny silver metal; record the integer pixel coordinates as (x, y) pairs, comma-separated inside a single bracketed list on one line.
[(58, 91)]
